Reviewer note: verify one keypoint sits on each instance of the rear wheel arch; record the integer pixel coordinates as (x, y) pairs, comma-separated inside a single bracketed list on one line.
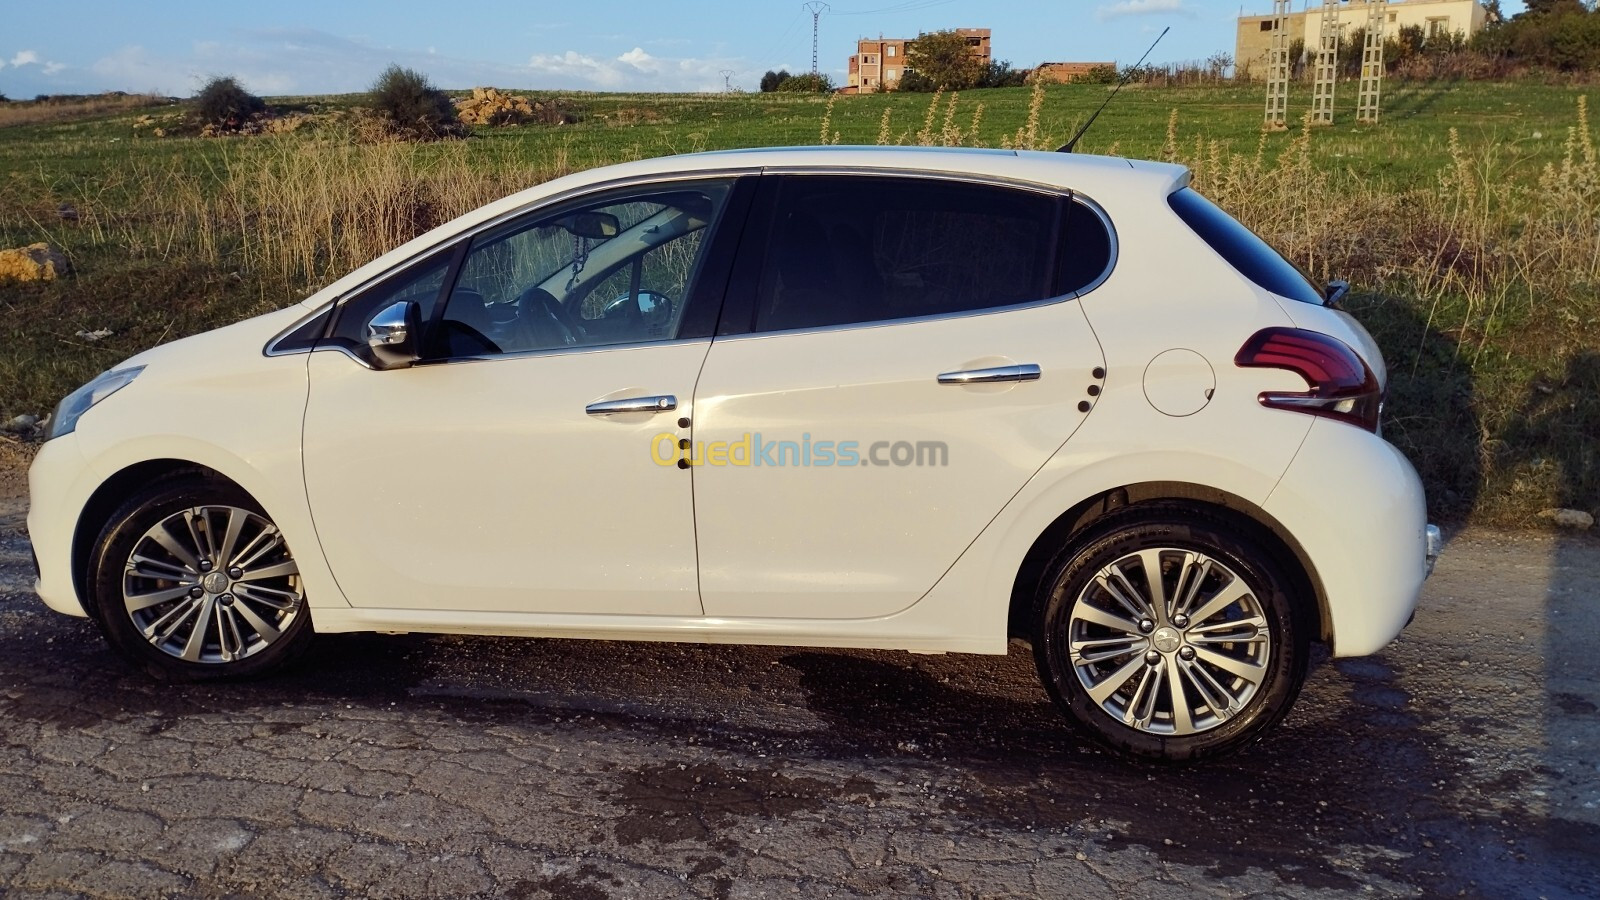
[(1065, 533)]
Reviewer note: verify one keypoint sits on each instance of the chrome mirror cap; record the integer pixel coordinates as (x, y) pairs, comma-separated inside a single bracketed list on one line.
[(392, 335)]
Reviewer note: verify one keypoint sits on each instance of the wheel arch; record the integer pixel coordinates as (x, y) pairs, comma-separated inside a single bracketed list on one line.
[(110, 495), (1062, 534)]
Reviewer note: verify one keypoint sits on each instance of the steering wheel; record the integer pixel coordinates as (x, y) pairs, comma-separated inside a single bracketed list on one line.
[(544, 323)]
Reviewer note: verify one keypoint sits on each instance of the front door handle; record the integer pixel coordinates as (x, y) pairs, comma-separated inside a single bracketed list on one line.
[(656, 404), (1023, 372)]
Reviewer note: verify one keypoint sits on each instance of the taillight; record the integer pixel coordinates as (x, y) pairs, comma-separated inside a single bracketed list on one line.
[(1342, 386)]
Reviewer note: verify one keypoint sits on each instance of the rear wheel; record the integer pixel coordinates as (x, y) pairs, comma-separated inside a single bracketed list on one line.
[(192, 581), (1169, 635)]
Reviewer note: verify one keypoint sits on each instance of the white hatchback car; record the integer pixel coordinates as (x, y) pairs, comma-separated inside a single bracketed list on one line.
[(1091, 410)]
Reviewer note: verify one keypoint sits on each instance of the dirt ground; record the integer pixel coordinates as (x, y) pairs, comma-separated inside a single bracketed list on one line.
[(1465, 758)]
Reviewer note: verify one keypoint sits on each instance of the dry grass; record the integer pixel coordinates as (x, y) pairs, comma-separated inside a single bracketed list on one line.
[(33, 112)]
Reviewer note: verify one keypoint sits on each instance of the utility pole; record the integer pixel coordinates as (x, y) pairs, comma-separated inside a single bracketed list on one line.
[(1278, 68), (1372, 63), (1327, 65), (816, 8), (727, 83)]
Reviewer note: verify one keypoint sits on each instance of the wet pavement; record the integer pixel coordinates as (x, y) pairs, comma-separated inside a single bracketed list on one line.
[(1463, 759)]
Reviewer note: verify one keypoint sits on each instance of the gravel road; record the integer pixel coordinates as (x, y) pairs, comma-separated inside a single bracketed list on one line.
[(1463, 759)]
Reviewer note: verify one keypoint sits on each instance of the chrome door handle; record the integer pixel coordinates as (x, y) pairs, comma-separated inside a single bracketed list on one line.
[(658, 403), (1023, 372)]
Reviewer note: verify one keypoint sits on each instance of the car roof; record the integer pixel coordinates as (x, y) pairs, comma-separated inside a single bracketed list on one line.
[(1109, 180)]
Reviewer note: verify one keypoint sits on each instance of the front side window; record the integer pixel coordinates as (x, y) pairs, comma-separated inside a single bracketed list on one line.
[(854, 249), (614, 271)]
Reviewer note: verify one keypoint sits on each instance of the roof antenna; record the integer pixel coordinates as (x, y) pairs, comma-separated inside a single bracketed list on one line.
[(1126, 75)]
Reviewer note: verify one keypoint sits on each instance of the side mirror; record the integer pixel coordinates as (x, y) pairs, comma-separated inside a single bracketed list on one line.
[(392, 335), (1335, 292)]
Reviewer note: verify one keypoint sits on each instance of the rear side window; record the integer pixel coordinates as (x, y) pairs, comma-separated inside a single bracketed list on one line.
[(1253, 257), (852, 249)]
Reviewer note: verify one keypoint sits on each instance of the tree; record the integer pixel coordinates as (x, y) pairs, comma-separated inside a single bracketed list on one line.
[(942, 57), (806, 83), (1000, 74), (771, 80)]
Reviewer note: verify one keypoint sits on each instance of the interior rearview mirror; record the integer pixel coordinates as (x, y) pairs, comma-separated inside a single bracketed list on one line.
[(392, 335), (593, 225)]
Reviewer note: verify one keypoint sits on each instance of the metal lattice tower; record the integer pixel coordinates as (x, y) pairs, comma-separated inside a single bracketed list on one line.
[(727, 81), (1278, 67), (1372, 63), (1327, 65), (816, 8)]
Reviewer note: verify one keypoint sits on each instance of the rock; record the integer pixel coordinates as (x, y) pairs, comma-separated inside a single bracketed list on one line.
[(35, 262), (22, 424), (1576, 519), (491, 106)]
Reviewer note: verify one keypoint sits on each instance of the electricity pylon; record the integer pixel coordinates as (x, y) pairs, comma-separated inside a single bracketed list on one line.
[(1372, 63), (816, 8), (1278, 67), (1327, 65)]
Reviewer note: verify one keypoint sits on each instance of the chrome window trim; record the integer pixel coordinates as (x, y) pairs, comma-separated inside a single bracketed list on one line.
[(1071, 194)]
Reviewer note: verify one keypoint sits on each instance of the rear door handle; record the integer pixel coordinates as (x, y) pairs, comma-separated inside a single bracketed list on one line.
[(1023, 372), (656, 404)]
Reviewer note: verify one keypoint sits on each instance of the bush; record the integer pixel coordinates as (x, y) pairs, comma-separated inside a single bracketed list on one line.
[(1000, 74), (772, 80), (225, 104), (808, 83), (412, 107)]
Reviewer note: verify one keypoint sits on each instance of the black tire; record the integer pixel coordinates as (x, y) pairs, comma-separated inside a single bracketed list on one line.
[(109, 573), (1158, 736)]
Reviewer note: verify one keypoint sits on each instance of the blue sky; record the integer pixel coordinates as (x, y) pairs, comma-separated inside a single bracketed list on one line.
[(333, 46)]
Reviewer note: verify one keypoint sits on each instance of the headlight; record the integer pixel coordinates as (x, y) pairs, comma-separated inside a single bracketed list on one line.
[(74, 405)]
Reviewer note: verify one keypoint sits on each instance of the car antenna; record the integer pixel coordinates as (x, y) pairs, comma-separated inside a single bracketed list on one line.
[(1126, 75)]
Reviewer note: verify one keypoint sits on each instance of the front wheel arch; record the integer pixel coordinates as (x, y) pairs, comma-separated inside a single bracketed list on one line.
[(1066, 532), (109, 496)]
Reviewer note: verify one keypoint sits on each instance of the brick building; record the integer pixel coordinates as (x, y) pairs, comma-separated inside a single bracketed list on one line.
[(1434, 17), (879, 63)]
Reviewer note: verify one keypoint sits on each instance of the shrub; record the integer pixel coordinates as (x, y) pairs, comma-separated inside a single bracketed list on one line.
[(1000, 74), (223, 103), (412, 107), (808, 83)]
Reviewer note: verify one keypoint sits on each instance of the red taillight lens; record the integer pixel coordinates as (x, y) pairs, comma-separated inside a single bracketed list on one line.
[(1342, 386)]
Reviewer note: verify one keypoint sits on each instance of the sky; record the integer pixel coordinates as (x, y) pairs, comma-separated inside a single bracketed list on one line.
[(287, 47)]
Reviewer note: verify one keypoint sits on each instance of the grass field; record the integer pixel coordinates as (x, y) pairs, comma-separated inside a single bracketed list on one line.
[(1469, 221)]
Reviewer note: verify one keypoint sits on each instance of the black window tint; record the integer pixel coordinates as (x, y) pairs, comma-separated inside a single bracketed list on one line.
[(848, 249), (1085, 249), (305, 335), (1253, 257)]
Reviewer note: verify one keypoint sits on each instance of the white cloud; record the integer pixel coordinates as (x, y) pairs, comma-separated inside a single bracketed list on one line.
[(1123, 8), (636, 69), (50, 68), (25, 58)]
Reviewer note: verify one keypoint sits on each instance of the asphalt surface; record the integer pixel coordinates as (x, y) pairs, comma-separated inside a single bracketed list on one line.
[(1464, 759)]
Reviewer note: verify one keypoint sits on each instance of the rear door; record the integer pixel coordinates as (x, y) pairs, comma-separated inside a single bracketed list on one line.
[(897, 356)]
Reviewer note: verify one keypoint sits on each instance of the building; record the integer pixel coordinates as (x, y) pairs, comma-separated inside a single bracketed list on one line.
[(1066, 72), (1434, 17), (879, 63)]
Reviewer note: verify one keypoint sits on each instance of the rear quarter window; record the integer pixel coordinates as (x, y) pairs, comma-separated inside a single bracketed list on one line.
[(1251, 256)]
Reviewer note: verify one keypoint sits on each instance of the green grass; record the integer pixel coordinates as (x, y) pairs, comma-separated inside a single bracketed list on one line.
[(1494, 396)]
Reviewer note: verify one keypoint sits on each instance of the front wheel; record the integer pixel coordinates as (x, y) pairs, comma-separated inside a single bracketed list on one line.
[(1170, 636), (192, 581)]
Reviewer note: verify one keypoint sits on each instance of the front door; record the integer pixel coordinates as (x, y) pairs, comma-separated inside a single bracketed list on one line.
[(512, 469)]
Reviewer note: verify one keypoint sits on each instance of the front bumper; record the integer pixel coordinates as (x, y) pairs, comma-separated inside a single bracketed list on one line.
[(59, 486)]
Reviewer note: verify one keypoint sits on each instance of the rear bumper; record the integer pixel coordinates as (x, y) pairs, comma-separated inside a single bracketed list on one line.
[(59, 486), (1356, 507)]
